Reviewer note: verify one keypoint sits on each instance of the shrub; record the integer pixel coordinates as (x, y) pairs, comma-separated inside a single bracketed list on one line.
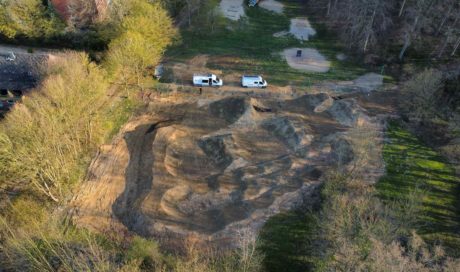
[(45, 139)]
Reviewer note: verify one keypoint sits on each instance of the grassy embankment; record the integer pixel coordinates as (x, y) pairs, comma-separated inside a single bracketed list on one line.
[(412, 164), (250, 47), (287, 240)]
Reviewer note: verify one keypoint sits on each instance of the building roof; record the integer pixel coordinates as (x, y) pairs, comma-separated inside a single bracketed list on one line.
[(22, 73), (61, 7)]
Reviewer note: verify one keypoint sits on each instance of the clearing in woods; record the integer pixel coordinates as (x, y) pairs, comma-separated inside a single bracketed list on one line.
[(248, 46)]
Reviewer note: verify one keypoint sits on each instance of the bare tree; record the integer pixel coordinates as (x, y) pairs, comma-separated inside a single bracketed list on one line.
[(82, 13), (420, 100), (363, 21), (417, 16)]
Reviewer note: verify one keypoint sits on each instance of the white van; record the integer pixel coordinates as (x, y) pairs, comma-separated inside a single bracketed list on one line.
[(207, 80), (253, 82)]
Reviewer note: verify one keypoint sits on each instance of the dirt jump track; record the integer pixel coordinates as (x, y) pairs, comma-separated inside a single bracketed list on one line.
[(211, 168)]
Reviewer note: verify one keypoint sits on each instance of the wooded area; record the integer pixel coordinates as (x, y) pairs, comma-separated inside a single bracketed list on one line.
[(431, 27)]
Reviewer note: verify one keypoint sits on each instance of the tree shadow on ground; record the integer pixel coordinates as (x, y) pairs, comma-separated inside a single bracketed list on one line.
[(285, 242), (411, 164)]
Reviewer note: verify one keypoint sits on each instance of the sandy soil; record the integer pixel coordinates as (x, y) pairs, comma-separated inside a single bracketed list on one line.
[(341, 56), (310, 61), (232, 9), (301, 29), (272, 5), (211, 167), (369, 82)]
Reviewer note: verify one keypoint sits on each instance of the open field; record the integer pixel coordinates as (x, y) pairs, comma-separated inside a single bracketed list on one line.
[(249, 47), (285, 241)]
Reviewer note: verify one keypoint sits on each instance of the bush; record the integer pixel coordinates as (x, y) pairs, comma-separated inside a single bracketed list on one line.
[(419, 101), (145, 32), (46, 139)]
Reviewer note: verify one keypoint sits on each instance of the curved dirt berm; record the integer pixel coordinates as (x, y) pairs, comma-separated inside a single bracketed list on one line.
[(209, 170)]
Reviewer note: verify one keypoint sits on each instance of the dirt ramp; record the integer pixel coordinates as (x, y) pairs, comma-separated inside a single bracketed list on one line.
[(210, 169), (294, 135), (229, 109), (347, 112)]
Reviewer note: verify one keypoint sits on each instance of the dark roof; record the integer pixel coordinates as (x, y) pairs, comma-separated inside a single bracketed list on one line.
[(61, 7), (22, 73)]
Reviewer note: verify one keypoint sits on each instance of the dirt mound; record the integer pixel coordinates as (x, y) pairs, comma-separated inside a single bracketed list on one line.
[(229, 109), (292, 135), (314, 102), (310, 60), (210, 169), (347, 112)]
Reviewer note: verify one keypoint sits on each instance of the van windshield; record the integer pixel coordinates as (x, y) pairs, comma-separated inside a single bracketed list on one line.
[(217, 79)]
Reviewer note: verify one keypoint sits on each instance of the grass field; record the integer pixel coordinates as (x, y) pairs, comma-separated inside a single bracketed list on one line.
[(251, 47), (285, 241), (411, 164)]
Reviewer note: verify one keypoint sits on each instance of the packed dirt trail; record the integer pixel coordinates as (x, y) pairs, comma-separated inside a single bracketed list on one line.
[(35, 51)]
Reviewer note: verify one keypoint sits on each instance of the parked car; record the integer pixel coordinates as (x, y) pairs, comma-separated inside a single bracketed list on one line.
[(10, 56), (252, 3), (210, 80), (253, 82), (159, 70)]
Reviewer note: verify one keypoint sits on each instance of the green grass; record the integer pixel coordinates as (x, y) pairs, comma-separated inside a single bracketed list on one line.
[(251, 48), (411, 164), (285, 241)]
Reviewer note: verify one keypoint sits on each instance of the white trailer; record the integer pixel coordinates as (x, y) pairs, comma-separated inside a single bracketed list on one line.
[(253, 82), (252, 3), (210, 80)]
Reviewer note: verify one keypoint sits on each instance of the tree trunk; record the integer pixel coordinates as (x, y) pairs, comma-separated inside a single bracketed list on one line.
[(401, 10), (457, 44), (189, 13), (405, 46), (443, 47), (369, 31), (442, 23), (408, 38)]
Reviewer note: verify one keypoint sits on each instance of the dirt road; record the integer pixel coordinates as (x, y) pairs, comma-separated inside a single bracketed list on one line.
[(5, 49)]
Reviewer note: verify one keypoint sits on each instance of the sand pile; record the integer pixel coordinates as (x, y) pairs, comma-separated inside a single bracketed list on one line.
[(310, 60), (301, 29), (232, 9), (369, 82)]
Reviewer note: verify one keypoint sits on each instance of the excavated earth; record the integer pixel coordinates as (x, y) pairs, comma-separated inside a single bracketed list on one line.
[(212, 167)]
